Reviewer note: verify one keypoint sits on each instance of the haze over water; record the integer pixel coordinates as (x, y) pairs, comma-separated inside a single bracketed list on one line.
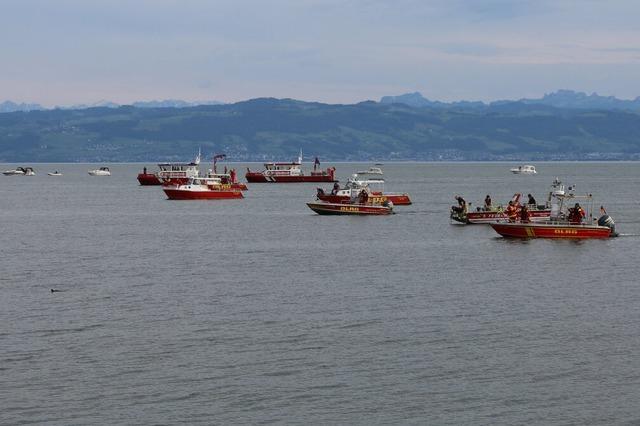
[(259, 310)]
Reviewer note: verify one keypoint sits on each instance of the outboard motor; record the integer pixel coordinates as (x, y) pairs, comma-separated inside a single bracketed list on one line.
[(606, 220)]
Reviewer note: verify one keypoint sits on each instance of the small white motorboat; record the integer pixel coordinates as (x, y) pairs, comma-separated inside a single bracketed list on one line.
[(20, 171), (56, 173), (102, 171), (15, 172), (527, 169)]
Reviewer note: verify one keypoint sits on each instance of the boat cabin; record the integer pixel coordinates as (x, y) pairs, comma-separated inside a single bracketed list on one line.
[(203, 181), (178, 170), (282, 169)]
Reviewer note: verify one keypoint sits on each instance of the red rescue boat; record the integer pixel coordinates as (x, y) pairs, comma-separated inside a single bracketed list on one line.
[(493, 214), (201, 188), (551, 230), (349, 209), (490, 213), (564, 223), (370, 180), (291, 172), (360, 204)]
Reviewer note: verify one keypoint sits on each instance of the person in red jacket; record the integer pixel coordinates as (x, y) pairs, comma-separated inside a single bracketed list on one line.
[(576, 214), (512, 212)]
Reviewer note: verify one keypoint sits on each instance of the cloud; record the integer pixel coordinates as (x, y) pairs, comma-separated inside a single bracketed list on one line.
[(331, 50)]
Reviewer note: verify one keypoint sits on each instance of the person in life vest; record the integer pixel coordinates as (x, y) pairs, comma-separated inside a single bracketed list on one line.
[(576, 214), (363, 197), (487, 202), (524, 214), (461, 207), (511, 212)]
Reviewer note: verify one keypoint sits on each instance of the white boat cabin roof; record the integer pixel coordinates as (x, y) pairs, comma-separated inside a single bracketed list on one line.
[(281, 166), (177, 166)]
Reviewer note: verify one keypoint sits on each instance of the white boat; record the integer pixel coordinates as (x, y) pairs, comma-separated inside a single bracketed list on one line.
[(527, 169), (102, 171), (15, 172), (56, 173), (377, 171), (20, 171)]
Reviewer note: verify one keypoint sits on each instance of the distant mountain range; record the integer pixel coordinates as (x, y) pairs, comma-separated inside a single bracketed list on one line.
[(9, 106), (559, 99), (276, 129)]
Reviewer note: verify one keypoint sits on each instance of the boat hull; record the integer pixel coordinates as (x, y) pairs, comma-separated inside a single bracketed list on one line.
[(349, 209), (257, 177), (396, 199), (180, 194), (547, 230), (148, 179), (183, 181), (494, 216)]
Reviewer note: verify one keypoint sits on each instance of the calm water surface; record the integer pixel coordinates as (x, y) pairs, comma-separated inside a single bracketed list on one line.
[(260, 311)]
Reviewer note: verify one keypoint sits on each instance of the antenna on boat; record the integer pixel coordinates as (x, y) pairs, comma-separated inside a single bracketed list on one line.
[(300, 157), (197, 160)]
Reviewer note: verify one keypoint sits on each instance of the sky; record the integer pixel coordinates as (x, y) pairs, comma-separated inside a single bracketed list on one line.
[(65, 52)]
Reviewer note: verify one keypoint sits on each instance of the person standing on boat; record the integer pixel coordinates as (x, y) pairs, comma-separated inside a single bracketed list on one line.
[(487, 202), (524, 215), (576, 214), (512, 212), (462, 205), (144, 171), (363, 197), (532, 201)]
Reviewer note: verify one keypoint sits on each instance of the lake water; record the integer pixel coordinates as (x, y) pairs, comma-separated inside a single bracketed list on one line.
[(259, 311)]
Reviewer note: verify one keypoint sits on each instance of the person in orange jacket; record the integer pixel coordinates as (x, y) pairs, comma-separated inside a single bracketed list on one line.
[(576, 214), (512, 212)]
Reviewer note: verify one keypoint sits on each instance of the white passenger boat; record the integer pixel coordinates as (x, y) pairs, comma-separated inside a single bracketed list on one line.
[(527, 169), (102, 171)]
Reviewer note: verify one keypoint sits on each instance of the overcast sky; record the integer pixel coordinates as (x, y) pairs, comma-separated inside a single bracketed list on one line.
[(61, 52)]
